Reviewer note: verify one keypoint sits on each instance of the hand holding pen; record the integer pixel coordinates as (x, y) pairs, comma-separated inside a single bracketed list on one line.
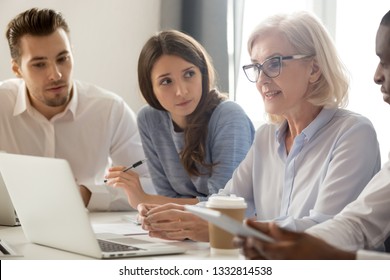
[(117, 177), (134, 165)]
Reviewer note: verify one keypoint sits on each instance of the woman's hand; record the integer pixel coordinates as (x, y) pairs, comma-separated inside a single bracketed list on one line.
[(143, 209), (171, 221), (129, 181)]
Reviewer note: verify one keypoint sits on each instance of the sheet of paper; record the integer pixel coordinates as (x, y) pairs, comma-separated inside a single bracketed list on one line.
[(119, 228)]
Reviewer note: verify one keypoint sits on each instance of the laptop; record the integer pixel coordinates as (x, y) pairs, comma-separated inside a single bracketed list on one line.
[(8, 216), (6, 251), (52, 213)]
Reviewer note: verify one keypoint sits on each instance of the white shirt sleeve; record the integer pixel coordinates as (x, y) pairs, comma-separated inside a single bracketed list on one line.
[(372, 255), (364, 223), (125, 149)]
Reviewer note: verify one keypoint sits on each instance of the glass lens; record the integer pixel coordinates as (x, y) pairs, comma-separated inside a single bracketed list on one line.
[(251, 72), (271, 67)]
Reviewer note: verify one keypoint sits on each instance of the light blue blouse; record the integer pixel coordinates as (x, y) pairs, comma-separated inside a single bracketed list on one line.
[(230, 135), (329, 164)]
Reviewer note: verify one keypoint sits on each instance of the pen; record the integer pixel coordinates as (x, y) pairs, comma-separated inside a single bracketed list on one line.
[(134, 165), (138, 163)]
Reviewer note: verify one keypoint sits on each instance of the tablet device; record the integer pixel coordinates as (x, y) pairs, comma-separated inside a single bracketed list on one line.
[(227, 223)]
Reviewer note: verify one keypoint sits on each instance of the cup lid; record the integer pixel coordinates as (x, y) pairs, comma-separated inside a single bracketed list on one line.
[(231, 201)]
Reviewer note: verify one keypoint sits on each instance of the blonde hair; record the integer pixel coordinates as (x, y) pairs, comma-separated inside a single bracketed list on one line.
[(309, 37)]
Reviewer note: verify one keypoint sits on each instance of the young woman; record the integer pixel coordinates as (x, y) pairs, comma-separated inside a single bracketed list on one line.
[(192, 136)]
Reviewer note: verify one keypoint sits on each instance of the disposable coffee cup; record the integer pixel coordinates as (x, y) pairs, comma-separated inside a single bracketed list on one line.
[(221, 242)]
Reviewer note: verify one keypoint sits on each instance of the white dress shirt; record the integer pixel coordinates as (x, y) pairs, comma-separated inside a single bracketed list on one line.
[(329, 164), (364, 223), (95, 130)]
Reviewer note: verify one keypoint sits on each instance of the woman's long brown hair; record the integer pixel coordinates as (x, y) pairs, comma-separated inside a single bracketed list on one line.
[(176, 43)]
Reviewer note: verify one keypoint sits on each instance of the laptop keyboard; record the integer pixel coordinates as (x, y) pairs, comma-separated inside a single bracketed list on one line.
[(107, 246)]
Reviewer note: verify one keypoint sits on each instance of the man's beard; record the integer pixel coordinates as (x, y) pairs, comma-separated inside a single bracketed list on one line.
[(56, 102)]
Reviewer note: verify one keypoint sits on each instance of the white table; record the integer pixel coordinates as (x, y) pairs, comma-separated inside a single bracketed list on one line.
[(16, 238)]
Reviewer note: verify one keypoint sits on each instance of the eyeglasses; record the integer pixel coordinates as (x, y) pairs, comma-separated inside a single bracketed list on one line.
[(271, 67)]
